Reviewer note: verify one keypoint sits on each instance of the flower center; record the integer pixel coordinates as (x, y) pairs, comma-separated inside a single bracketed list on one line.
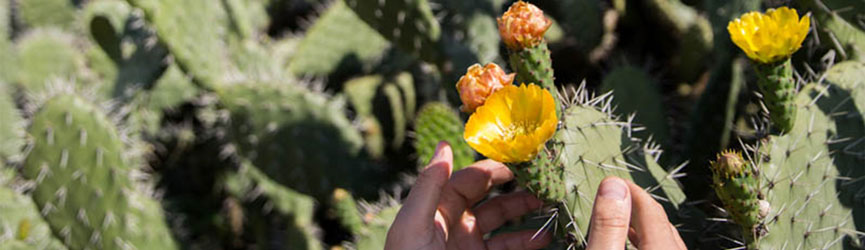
[(519, 128)]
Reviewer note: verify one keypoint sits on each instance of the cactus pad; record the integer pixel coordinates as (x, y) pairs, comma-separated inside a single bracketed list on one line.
[(439, 122), (84, 185)]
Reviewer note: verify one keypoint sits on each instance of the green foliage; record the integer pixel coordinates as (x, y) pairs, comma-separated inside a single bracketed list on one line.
[(635, 92), (439, 122), (690, 30), (84, 180)]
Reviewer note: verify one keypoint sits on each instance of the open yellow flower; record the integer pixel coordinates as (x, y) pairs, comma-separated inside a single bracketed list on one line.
[(513, 124), (770, 37)]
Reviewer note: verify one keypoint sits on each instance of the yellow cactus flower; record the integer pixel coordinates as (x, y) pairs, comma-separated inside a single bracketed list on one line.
[(479, 83), (523, 25), (514, 123), (770, 37)]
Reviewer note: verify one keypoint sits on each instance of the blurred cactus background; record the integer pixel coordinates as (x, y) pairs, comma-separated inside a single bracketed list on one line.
[(300, 124)]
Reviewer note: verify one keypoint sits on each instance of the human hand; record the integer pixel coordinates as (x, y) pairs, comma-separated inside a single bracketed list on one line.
[(622, 211), (439, 212)]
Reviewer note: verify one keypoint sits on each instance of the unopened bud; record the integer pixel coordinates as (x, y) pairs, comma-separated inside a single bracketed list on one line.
[(523, 26), (479, 83)]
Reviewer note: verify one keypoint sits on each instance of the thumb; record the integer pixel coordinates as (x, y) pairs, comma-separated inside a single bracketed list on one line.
[(611, 215), (424, 196)]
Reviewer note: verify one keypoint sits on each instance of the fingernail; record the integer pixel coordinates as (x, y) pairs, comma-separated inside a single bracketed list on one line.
[(613, 188)]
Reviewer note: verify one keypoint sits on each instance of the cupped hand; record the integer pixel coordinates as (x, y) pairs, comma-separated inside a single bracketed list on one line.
[(440, 212)]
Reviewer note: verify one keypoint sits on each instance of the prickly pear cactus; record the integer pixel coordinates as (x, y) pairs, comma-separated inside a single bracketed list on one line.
[(589, 145), (334, 40), (810, 175), (21, 224), (635, 92), (44, 55), (409, 24), (270, 199), (12, 128), (385, 103), (196, 39), (47, 13), (138, 59), (439, 122), (84, 184), (298, 137)]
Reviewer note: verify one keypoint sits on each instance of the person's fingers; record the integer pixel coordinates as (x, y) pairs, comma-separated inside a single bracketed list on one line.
[(424, 196), (610, 215), (495, 212), (650, 222), (470, 185), (519, 240), (465, 234)]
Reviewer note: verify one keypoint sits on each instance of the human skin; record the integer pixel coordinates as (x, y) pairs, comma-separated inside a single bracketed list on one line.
[(440, 212)]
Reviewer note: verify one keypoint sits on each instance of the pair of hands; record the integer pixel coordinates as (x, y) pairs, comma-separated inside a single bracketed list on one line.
[(440, 212)]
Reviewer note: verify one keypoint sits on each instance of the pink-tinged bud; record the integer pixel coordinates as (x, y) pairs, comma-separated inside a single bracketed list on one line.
[(479, 83), (523, 26)]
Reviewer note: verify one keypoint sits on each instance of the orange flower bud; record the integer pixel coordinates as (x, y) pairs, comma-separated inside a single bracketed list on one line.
[(479, 83), (523, 25)]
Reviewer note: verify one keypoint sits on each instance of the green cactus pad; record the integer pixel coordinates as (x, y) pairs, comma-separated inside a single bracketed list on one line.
[(439, 122), (196, 39), (590, 145), (344, 209), (809, 175), (46, 54), (84, 185), (12, 127), (691, 31), (47, 13), (635, 92), (836, 32), (409, 24), (20, 222), (298, 137), (385, 104), (377, 225), (335, 41), (251, 185)]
